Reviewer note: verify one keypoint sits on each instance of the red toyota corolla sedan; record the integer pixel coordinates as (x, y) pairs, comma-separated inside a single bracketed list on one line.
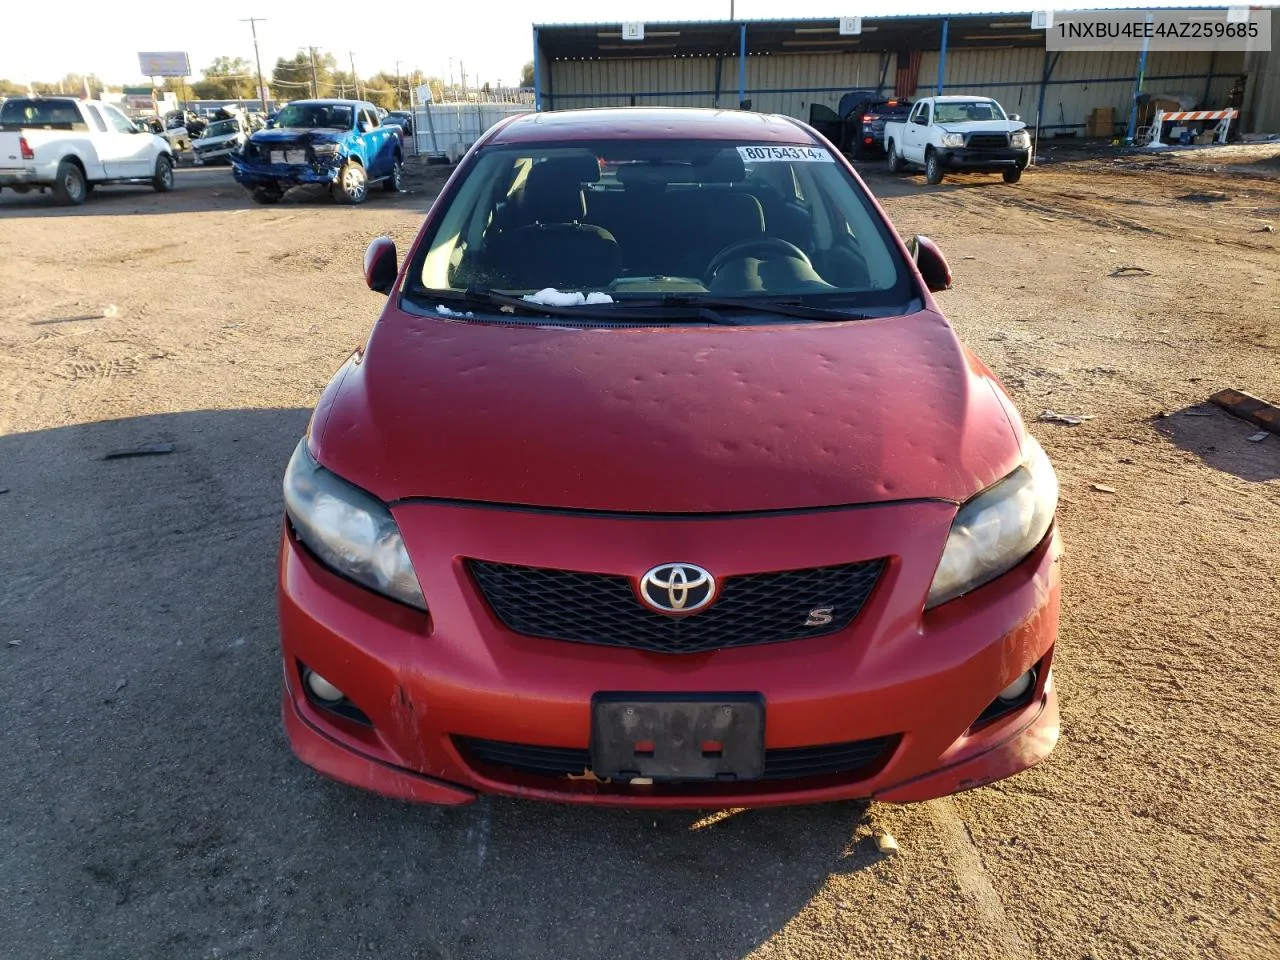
[(661, 481)]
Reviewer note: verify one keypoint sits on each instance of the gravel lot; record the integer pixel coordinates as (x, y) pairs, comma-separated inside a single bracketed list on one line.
[(151, 807)]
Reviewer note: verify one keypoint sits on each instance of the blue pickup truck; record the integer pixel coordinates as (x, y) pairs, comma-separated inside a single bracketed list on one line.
[(335, 143)]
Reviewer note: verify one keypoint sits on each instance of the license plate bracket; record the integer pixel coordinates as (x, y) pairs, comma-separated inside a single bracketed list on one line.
[(678, 737)]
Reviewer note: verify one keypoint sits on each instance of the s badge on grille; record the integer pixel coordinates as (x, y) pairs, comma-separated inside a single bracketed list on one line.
[(677, 588), (820, 616)]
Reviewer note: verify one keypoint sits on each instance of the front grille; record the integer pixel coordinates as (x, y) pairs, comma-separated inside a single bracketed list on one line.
[(988, 141), (753, 609), (788, 763)]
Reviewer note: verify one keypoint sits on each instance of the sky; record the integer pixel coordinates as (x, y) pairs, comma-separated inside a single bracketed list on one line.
[(491, 40)]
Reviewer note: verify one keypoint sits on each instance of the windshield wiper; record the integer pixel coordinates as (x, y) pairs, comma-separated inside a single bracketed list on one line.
[(615, 312), (781, 308)]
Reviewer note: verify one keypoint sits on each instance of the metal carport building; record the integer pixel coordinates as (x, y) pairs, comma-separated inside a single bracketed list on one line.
[(786, 66)]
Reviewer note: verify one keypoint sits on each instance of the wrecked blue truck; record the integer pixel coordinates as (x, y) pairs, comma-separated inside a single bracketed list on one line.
[(339, 144)]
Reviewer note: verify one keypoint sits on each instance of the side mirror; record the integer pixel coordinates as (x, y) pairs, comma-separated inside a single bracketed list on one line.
[(930, 262), (1014, 116), (380, 267), (270, 124)]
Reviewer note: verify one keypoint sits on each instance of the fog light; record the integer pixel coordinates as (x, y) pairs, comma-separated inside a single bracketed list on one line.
[(1019, 687), (325, 691)]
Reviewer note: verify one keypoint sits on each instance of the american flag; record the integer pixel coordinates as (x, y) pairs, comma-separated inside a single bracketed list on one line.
[(904, 81)]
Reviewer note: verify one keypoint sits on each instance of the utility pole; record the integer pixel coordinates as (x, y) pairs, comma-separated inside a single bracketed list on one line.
[(397, 84), (462, 71), (315, 84), (262, 89), (355, 76)]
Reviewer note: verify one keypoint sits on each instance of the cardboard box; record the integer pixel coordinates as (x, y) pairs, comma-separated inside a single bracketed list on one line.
[(1101, 122)]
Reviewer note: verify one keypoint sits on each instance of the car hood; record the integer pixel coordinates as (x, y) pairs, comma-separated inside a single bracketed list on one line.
[(676, 420), (983, 126), (294, 134), (218, 141)]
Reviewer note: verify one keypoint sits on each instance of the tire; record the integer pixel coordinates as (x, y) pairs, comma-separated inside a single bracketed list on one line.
[(352, 185), (162, 180), (932, 168), (896, 163), (1012, 174), (69, 185), (267, 194), (393, 183)]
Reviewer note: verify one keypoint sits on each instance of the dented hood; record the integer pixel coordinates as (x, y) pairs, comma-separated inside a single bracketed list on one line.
[(686, 420)]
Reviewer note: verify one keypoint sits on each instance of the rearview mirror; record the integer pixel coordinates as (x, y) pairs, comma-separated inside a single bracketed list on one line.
[(930, 262), (380, 267)]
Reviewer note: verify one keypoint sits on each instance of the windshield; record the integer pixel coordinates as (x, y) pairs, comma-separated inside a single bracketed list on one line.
[(964, 111), (645, 219), (222, 128), (308, 116)]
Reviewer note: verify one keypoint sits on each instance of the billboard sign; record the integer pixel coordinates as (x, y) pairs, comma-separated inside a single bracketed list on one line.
[(169, 64)]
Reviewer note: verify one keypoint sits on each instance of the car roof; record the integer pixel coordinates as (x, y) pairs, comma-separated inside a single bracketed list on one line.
[(329, 102), (651, 123), (960, 99)]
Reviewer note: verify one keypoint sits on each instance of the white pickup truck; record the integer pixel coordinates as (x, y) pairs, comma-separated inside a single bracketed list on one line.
[(958, 133), (69, 146)]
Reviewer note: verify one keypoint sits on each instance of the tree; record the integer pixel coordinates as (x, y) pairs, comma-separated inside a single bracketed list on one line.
[(72, 85), (526, 75), (381, 88), (291, 77), (227, 78), (10, 89)]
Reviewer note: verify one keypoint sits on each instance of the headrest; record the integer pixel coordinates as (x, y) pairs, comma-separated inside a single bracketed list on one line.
[(720, 165)]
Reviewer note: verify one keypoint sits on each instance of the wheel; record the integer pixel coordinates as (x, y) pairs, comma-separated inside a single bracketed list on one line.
[(162, 182), (267, 194), (69, 187), (352, 185), (932, 168), (896, 163), (1012, 174), (392, 183)]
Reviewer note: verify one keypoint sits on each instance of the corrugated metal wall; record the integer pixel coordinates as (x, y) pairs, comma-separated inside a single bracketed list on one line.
[(790, 84)]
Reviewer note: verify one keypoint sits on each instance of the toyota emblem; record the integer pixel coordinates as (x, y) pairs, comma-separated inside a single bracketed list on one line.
[(677, 588)]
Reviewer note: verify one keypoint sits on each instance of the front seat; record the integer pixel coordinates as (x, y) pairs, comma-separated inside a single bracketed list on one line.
[(551, 246)]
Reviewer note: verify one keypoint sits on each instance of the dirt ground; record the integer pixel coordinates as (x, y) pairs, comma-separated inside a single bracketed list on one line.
[(151, 808)]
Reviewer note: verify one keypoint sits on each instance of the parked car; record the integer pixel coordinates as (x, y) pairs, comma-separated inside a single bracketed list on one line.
[(221, 139), (402, 117), (662, 481), (865, 123), (959, 133), (70, 146), (337, 144)]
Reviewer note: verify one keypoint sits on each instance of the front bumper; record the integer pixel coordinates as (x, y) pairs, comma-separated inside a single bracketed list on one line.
[(962, 158), (208, 155), (253, 173), (424, 680)]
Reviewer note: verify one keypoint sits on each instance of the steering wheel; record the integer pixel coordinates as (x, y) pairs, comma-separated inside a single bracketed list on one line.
[(755, 245)]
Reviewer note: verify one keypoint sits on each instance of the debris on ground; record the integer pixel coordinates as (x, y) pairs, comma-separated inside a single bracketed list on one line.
[(145, 450), (1070, 419), (1215, 197), (15, 643), (886, 844), (1259, 436), (1131, 272), (1104, 488), (1266, 228), (1248, 407)]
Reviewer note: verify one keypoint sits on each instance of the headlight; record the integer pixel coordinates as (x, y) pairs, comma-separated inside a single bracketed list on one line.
[(953, 139), (325, 149), (1020, 139), (994, 532), (348, 529)]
